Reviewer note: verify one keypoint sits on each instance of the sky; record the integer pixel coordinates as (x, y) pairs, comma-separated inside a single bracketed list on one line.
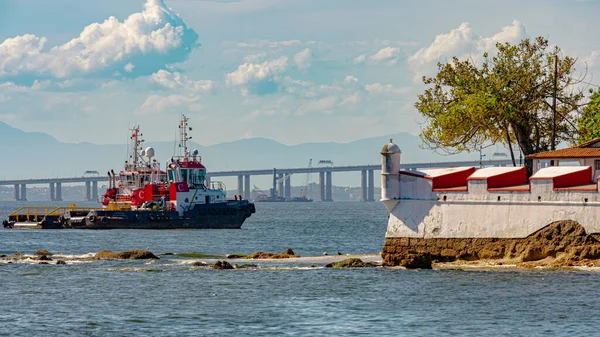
[(294, 71)]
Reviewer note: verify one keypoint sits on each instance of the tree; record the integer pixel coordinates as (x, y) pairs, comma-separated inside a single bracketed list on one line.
[(508, 99), (589, 123)]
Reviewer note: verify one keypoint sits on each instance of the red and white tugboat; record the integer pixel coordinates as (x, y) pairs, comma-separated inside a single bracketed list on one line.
[(144, 197), (128, 189)]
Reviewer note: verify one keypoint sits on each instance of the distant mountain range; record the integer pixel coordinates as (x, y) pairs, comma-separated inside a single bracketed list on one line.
[(33, 154)]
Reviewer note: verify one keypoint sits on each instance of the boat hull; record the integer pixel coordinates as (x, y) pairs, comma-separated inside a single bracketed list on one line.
[(227, 215)]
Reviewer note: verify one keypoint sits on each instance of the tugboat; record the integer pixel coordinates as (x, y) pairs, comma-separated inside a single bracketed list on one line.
[(144, 197)]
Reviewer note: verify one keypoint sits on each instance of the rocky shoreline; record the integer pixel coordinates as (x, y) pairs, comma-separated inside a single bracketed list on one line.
[(560, 244)]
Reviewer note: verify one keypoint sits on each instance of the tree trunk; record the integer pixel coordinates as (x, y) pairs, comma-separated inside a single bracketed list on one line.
[(512, 155)]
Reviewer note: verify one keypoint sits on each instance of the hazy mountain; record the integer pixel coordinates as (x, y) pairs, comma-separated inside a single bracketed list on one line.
[(32, 154)]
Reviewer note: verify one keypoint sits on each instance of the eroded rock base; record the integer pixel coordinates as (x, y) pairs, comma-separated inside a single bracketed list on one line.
[(561, 243)]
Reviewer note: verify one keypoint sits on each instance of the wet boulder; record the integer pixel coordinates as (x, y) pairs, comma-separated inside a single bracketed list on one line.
[(287, 254), (106, 255), (138, 254), (42, 252), (60, 262), (350, 263), (17, 256), (200, 264), (416, 261), (222, 265)]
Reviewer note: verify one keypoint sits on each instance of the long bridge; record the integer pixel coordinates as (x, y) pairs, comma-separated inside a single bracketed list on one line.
[(282, 177)]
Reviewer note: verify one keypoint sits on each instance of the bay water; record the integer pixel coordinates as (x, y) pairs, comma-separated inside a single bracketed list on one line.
[(171, 297)]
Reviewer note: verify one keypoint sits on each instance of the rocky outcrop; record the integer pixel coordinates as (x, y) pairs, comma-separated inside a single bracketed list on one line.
[(42, 252), (16, 256), (288, 253), (560, 243), (350, 263), (137, 254), (222, 265), (60, 262), (106, 255)]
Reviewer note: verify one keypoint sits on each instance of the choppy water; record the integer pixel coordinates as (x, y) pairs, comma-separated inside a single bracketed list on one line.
[(170, 297)]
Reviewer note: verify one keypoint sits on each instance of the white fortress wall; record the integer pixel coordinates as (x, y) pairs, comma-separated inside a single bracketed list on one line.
[(477, 213)]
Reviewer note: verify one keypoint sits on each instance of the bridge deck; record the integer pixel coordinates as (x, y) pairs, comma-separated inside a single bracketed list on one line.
[(233, 173)]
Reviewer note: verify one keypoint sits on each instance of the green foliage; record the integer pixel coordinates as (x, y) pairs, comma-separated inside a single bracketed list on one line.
[(589, 123), (508, 99)]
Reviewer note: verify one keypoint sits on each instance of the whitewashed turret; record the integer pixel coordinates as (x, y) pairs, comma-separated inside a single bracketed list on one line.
[(390, 175)]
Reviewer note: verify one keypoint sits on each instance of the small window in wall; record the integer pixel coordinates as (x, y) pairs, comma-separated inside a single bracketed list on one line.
[(184, 174), (597, 164)]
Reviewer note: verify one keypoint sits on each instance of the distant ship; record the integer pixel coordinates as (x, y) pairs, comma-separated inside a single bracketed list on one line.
[(273, 197), (282, 199)]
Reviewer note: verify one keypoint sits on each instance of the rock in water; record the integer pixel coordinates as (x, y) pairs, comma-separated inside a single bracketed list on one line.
[(42, 252), (17, 256), (222, 265), (289, 251), (44, 258), (416, 261), (106, 255), (138, 254), (350, 263), (60, 262), (200, 264)]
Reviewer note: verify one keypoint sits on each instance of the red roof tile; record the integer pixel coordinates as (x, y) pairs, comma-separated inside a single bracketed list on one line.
[(578, 151)]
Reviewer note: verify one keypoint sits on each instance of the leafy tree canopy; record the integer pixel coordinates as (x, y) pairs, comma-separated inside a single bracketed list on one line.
[(508, 99), (589, 122)]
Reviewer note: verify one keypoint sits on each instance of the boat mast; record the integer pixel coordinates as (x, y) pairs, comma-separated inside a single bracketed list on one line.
[(136, 143), (183, 136)]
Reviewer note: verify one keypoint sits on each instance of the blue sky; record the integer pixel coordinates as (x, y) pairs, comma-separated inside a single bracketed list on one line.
[(291, 70)]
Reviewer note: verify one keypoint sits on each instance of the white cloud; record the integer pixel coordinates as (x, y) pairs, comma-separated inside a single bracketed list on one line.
[(150, 39), (360, 59), (252, 72), (462, 43), (267, 43), (513, 33), (255, 58), (322, 105), (129, 67), (350, 80), (378, 88), (303, 59), (352, 99), (258, 78), (385, 54), (156, 104), (175, 80)]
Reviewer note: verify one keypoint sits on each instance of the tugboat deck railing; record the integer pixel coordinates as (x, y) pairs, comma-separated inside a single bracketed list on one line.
[(41, 211)]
